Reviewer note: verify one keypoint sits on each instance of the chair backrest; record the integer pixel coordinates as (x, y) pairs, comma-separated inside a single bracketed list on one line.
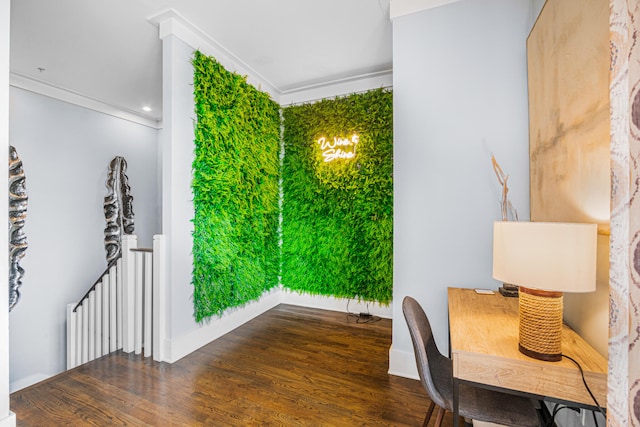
[(435, 370)]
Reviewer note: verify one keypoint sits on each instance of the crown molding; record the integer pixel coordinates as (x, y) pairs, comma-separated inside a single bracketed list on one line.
[(43, 88), (400, 8), (170, 22), (361, 83)]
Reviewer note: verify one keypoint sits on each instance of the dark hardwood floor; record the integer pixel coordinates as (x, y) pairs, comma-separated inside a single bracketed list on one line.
[(291, 366)]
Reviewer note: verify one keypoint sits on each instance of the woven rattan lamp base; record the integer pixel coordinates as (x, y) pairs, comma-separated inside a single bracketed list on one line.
[(540, 324)]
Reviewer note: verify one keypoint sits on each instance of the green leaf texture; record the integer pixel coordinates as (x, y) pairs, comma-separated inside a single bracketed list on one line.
[(337, 232), (235, 187)]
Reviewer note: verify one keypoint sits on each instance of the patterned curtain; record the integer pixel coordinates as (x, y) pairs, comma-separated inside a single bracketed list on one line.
[(623, 408)]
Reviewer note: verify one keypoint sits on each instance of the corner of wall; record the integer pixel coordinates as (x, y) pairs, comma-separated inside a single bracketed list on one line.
[(336, 304), (403, 364), (170, 22), (215, 328), (28, 381)]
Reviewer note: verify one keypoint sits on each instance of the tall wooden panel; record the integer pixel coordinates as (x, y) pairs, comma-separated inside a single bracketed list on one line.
[(568, 65)]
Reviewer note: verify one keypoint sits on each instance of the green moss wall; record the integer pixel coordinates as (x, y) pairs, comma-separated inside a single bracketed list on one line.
[(338, 214), (235, 188), (337, 210)]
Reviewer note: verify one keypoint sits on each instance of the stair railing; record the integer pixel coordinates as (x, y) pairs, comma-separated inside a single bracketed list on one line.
[(123, 309)]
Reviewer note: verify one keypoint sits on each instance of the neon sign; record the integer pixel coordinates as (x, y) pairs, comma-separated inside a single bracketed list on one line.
[(338, 148)]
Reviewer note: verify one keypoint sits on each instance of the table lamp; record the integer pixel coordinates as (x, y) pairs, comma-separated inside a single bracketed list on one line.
[(544, 259)]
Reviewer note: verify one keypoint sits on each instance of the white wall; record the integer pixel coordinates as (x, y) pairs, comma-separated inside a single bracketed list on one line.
[(177, 157), (66, 152), (460, 94), (6, 418)]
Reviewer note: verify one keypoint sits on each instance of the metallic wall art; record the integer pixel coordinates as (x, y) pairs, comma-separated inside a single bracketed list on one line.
[(17, 215), (118, 208)]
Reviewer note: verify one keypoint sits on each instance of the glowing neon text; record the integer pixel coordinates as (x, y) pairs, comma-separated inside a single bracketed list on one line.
[(338, 148)]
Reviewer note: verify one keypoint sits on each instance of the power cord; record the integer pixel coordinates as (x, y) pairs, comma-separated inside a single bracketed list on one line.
[(584, 381), (557, 408), (362, 317)]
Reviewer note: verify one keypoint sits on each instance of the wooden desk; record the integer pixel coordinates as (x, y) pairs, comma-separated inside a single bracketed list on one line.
[(484, 349)]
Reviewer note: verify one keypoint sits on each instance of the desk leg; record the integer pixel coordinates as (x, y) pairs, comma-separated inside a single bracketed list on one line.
[(456, 416)]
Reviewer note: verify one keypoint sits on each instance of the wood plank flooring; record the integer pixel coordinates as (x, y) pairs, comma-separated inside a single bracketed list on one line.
[(291, 366)]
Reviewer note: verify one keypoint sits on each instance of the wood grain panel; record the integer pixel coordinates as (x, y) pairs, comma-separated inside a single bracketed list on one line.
[(569, 121)]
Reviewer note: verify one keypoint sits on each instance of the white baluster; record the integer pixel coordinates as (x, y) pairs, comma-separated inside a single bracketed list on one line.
[(91, 313), (113, 321), (148, 303), (105, 314), (128, 292), (159, 296), (139, 305), (71, 336), (98, 320), (119, 305), (85, 332)]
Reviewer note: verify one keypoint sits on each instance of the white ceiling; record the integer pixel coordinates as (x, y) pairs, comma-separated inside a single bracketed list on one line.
[(110, 52)]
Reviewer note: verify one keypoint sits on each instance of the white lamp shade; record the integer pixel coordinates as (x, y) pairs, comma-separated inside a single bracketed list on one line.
[(548, 256)]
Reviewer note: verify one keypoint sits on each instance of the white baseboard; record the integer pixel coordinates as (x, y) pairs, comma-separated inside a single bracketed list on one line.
[(9, 421), (403, 364), (28, 381), (179, 347), (336, 304), (214, 329)]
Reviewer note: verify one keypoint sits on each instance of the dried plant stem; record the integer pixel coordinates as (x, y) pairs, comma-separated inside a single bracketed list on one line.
[(505, 204)]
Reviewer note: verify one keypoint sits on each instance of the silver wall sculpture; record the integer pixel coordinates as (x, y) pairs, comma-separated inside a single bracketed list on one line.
[(118, 208), (17, 216)]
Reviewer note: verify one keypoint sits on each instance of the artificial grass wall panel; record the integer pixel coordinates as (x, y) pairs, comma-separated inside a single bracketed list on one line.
[(235, 188), (337, 232)]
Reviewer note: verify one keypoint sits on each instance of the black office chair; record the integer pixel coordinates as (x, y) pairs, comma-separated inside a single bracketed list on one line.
[(436, 375)]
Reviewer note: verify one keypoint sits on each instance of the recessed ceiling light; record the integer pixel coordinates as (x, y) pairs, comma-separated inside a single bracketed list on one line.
[(146, 108)]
